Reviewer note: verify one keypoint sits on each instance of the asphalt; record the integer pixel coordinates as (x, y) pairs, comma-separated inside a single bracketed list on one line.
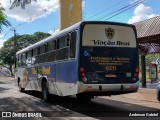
[(144, 94)]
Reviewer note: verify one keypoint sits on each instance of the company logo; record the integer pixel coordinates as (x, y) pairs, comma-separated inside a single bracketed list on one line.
[(6, 114), (109, 33)]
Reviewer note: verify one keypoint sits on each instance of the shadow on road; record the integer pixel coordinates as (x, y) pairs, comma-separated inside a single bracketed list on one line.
[(98, 107), (3, 89), (3, 83)]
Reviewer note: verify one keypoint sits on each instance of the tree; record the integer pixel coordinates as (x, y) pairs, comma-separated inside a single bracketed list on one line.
[(7, 51), (22, 3), (3, 20)]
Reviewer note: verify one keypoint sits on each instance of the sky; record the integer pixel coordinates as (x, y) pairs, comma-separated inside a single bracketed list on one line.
[(43, 15)]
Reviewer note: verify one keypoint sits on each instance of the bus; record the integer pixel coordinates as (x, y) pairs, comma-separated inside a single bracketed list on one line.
[(90, 58)]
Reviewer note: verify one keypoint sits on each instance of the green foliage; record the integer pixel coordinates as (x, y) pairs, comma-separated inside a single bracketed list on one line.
[(22, 3), (22, 41), (3, 20), (151, 57)]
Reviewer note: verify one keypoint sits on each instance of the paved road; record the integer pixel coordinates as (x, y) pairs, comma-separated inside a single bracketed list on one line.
[(69, 108)]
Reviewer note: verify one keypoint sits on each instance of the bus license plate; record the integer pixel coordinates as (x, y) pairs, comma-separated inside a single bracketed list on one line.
[(110, 75)]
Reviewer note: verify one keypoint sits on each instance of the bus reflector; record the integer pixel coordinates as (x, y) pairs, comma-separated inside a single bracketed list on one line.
[(89, 86), (131, 86), (135, 74), (83, 75)]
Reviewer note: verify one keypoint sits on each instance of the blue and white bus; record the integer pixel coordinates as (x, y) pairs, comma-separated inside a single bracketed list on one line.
[(87, 59)]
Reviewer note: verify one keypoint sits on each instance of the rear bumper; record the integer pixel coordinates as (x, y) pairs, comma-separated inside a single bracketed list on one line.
[(107, 89)]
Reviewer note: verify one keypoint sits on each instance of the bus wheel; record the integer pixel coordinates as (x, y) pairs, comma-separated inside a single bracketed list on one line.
[(45, 92), (19, 86), (84, 98)]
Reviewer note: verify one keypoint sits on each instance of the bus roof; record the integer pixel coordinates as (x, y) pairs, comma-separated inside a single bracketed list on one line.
[(48, 38), (73, 27)]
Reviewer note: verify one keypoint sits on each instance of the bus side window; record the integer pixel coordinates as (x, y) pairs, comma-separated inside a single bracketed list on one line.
[(41, 56), (42, 49), (29, 55), (38, 50), (73, 44), (50, 55), (19, 60), (51, 46), (63, 48), (35, 53), (24, 59)]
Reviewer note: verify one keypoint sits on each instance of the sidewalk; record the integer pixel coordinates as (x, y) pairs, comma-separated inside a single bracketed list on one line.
[(145, 94), (6, 78)]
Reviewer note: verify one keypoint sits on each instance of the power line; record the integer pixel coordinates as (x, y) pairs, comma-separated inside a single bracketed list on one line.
[(106, 9), (102, 5), (125, 8)]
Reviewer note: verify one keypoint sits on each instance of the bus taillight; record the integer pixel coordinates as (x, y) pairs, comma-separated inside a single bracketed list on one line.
[(82, 24), (81, 69), (135, 75), (83, 75), (137, 70)]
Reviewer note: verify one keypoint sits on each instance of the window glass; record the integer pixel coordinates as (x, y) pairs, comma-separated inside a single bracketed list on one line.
[(62, 54), (42, 49), (29, 53), (73, 44), (51, 45), (24, 56), (35, 51), (63, 48), (63, 42), (50, 56)]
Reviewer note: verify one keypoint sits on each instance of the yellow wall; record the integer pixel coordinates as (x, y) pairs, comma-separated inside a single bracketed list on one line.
[(70, 12)]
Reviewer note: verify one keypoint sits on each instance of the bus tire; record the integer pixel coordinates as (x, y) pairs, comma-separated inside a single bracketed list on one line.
[(45, 92), (19, 86)]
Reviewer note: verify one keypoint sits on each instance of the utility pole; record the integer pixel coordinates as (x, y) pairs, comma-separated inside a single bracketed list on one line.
[(14, 46)]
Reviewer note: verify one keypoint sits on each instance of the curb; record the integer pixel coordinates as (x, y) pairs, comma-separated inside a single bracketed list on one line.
[(6, 78)]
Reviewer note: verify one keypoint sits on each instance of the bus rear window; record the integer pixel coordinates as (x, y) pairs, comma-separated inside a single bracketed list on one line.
[(108, 36)]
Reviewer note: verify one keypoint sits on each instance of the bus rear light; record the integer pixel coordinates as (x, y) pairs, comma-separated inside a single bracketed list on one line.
[(89, 87), (83, 75), (82, 24), (137, 70), (81, 69), (131, 86), (135, 74)]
